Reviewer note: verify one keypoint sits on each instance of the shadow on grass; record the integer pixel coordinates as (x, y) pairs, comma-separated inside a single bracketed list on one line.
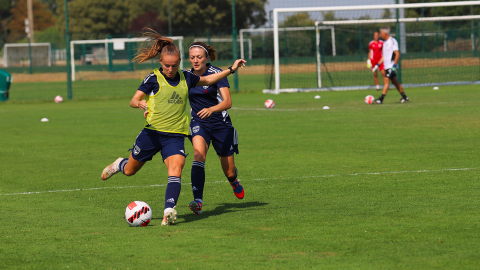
[(219, 210)]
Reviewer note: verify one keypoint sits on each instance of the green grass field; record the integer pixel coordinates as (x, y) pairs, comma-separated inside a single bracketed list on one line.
[(125, 88), (393, 186)]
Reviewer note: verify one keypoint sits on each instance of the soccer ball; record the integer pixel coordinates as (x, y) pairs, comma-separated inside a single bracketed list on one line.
[(138, 214), (269, 104), (369, 63), (369, 99), (58, 99)]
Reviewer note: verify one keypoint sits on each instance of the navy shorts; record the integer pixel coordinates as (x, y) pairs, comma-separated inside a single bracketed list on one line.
[(224, 140), (150, 142), (390, 73)]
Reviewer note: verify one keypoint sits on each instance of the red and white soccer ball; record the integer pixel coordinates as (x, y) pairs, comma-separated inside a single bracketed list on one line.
[(58, 99), (138, 214), (369, 99), (269, 104)]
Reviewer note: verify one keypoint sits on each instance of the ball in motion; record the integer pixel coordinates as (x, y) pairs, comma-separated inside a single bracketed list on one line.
[(269, 104), (369, 99), (138, 214), (58, 99)]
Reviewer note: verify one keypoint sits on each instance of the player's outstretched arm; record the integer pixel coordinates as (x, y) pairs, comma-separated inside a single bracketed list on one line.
[(214, 78)]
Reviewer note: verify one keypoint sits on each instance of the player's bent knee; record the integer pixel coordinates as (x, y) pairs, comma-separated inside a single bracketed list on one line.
[(199, 157)]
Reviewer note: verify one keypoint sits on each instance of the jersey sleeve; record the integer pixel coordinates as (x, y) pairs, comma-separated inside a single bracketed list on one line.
[(191, 79), (223, 83), (148, 83)]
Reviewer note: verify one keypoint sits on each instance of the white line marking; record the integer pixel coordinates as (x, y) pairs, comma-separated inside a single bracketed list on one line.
[(257, 179), (350, 107)]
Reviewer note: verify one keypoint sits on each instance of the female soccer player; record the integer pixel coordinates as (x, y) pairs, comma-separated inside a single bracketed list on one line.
[(166, 125), (210, 123)]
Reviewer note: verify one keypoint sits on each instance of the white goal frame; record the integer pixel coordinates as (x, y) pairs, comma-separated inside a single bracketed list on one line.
[(116, 41), (248, 30), (276, 12), (240, 40), (12, 45)]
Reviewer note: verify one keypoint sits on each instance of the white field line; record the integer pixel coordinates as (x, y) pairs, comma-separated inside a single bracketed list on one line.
[(257, 179), (350, 107)]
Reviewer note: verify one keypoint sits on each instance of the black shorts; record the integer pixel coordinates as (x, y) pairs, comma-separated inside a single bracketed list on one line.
[(224, 140), (390, 73), (149, 143)]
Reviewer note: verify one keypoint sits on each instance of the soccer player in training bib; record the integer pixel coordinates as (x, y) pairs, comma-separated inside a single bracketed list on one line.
[(210, 123), (166, 124), (375, 55), (390, 57)]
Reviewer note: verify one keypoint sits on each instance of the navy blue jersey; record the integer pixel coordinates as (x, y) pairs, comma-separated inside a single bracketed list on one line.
[(208, 96), (150, 84)]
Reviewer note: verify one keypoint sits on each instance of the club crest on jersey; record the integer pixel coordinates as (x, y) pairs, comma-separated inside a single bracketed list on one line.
[(195, 129), (175, 99), (136, 150)]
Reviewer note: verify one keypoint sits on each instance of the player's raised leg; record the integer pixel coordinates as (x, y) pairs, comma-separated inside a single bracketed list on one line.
[(128, 166)]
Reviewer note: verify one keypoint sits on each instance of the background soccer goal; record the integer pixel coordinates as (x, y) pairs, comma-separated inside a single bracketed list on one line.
[(297, 50), (436, 48), (17, 54)]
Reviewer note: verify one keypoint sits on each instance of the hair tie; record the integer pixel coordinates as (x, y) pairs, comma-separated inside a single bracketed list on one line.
[(200, 47)]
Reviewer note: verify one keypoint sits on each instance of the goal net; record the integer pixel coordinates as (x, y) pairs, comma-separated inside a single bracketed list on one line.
[(437, 46), (111, 58), (18, 54), (297, 48)]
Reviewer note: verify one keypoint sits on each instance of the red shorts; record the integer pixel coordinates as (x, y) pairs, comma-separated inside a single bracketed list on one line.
[(381, 67)]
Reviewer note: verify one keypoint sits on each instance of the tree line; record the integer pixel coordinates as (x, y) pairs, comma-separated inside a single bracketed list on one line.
[(96, 19)]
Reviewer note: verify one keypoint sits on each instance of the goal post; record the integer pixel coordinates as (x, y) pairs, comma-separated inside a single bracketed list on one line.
[(247, 31), (16, 54), (440, 37), (239, 40), (113, 54)]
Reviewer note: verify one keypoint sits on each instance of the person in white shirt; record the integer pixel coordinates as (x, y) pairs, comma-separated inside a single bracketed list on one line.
[(390, 57)]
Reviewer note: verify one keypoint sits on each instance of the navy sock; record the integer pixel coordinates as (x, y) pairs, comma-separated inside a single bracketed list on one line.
[(231, 180), (122, 164), (198, 179), (403, 95), (382, 97), (173, 191)]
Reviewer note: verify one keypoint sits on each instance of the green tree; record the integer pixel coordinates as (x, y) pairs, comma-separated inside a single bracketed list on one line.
[(214, 14), (51, 35), (92, 18), (42, 17), (298, 20)]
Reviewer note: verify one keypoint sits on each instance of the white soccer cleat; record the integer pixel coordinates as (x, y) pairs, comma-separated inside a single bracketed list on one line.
[(170, 217), (111, 169)]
